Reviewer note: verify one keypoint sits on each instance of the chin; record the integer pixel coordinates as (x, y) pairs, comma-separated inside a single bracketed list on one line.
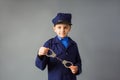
[(63, 36)]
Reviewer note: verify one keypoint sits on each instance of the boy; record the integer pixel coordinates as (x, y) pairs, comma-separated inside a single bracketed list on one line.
[(64, 48)]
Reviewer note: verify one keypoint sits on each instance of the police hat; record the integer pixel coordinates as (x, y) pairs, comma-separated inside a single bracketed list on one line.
[(62, 18)]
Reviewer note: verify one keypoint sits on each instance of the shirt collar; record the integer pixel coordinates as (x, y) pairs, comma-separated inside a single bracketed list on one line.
[(65, 38)]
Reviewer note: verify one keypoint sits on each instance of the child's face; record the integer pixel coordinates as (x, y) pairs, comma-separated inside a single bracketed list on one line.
[(62, 30)]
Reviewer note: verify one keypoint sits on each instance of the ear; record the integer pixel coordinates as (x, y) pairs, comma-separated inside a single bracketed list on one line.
[(69, 28), (53, 28)]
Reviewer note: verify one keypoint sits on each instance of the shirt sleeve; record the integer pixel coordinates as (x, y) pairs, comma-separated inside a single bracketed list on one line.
[(78, 62), (41, 61)]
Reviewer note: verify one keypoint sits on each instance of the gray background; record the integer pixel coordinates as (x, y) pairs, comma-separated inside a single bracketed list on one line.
[(26, 24)]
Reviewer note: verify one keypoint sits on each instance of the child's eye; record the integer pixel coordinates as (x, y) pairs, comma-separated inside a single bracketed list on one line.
[(59, 27), (65, 27)]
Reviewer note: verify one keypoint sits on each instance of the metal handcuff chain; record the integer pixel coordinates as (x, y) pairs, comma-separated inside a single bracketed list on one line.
[(66, 63)]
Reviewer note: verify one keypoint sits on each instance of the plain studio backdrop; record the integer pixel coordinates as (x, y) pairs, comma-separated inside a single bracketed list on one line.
[(26, 24)]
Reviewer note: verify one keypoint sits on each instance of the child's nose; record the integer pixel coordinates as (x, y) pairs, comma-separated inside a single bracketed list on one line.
[(63, 29)]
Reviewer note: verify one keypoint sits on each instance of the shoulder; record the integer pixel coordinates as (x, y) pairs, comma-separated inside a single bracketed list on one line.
[(49, 42), (72, 41)]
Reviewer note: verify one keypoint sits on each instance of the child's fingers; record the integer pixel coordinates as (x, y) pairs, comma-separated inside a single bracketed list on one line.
[(43, 50), (74, 69)]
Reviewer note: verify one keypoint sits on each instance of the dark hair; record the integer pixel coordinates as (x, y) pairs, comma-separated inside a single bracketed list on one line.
[(63, 23)]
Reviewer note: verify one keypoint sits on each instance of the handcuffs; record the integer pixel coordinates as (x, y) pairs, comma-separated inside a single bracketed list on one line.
[(66, 63)]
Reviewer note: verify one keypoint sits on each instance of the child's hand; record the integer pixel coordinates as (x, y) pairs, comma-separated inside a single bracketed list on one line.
[(74, 69), (43, 51)]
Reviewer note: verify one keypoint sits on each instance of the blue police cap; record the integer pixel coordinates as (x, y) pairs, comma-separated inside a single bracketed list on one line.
[(62, 18)]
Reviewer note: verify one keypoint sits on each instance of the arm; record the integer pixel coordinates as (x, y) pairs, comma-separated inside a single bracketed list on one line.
[(78, 62), (76, 68), (42, 59), (41, 62)]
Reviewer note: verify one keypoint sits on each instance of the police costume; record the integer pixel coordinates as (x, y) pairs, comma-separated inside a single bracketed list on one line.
[(65, 51)]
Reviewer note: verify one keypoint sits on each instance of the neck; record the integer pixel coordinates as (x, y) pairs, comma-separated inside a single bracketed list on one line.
[(61, 37)]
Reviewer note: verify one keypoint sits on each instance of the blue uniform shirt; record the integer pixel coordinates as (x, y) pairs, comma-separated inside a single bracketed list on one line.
[(56, 70), (64, 41)]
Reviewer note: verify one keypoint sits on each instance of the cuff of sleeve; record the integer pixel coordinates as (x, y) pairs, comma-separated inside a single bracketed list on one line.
[(41, 57), (79, 70)]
